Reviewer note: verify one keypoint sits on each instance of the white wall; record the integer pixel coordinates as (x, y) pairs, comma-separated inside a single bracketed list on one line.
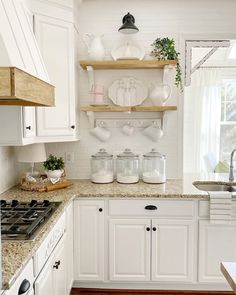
[(8, 170), (155, 19)]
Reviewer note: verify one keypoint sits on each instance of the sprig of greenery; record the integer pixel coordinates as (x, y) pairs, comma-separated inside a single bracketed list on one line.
[(54, 163), (164, 49)]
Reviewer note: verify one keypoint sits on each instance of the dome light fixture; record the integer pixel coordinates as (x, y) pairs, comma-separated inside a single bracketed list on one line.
[(128, 26)]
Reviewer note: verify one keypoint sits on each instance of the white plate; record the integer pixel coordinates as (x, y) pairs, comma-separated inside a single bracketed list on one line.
[(127, 91), (128, 51)]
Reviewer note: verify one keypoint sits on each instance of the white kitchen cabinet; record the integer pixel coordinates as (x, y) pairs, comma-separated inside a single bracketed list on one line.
[(172, 250), (55, 38), (129, 249), (89, 240), (56, 41), (217, 243), (52, 279), (17, 125), (138, 245), (69, 247)]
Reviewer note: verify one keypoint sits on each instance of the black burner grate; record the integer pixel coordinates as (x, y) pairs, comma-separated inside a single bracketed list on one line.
[(20, 220)]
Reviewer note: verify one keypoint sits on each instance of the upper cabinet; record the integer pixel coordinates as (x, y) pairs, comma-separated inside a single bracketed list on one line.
[(56, 41), (53, 30)]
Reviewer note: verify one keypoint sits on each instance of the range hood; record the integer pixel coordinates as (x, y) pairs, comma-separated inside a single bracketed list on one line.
[(20, 88), (24, 80)]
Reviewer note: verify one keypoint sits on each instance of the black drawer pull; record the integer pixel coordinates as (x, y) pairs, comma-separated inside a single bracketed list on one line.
[(151, 207), (148, 229), (28, 127), (24, 287), (154, 228), (100, 209)]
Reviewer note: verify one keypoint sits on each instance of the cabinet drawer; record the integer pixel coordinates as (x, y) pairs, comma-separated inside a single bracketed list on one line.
[(164, 208)]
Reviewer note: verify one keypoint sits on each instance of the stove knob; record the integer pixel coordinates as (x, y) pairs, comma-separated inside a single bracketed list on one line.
[(3, 203), (46, 203), (14, 203), (33, 203)]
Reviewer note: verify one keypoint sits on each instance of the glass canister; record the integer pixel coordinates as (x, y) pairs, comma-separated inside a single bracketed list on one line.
[(127, 167), (102, 170), (154, 167)]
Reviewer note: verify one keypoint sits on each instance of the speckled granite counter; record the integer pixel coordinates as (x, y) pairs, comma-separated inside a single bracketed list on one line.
[(16, 254)]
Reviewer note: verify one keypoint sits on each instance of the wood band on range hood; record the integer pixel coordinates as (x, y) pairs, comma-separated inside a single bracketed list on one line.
[(20, 88)]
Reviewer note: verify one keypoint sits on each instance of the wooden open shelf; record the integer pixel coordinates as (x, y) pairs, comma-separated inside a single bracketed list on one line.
[(112, 108), (126, 64)]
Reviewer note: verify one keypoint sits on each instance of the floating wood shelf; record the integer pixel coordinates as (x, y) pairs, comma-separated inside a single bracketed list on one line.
[(112, 108), (126, 64)]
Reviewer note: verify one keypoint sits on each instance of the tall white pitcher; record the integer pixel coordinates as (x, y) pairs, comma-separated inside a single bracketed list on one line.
[(96, 50)]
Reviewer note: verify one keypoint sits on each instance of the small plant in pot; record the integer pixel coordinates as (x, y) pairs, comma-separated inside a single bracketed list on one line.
[(164, 49), (54, 166)]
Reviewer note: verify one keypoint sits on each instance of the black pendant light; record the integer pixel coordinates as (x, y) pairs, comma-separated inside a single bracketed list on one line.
[(128, 26)]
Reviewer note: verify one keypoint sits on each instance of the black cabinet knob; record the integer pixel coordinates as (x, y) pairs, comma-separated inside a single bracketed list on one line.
[(56, 265), (73, 127), (100, 209), (28, 127), (148, 229), (154, 228)]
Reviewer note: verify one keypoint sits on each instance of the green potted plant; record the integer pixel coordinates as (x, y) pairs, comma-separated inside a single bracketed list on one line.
[(164, 49), (54, 166)]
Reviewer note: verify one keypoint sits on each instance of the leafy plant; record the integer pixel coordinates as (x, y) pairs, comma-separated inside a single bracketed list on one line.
[(164, 49), (54, 163)]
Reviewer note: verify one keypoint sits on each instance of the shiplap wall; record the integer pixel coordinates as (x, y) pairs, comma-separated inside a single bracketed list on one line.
[(155, 19)]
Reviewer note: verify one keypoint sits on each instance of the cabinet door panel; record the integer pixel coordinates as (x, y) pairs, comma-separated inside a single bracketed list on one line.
[(129, 249), (172, 250), (56, 39), (59, 275), (29, 122), (89, 240), (217, 243), (44, 283)]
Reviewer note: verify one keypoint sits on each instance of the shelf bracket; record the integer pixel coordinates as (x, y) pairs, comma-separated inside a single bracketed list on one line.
[(213, 45), (90, 71), (91, 119)]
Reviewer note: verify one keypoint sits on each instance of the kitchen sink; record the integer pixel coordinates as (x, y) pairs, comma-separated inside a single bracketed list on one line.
[(214, 187)]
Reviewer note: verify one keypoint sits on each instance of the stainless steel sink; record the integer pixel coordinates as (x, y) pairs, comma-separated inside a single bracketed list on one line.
[(214, 187)]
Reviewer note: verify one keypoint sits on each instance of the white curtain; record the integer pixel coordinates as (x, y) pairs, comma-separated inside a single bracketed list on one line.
[(205, 95)]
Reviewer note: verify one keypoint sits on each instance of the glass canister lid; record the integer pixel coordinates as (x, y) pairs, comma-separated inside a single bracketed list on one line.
[(154, 154), (102, 154), (127, 154)]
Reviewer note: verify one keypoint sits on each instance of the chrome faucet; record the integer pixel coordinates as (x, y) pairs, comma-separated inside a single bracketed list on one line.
[(231, 167)]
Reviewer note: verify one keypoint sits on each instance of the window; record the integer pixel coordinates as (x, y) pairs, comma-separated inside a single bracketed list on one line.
[(228, 119)]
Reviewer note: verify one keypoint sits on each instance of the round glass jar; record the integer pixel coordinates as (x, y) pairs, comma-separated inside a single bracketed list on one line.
[(154, 167), (127, 167), (102, 170)]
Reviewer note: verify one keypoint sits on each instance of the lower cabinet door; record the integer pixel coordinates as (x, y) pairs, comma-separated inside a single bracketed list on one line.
[(59, 269), (44, 283), (52, 278), (217, 243), (172, 250), (89, 240), (129, 249)]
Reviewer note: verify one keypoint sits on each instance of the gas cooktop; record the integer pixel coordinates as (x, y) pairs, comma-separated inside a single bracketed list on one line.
[(21, 220)]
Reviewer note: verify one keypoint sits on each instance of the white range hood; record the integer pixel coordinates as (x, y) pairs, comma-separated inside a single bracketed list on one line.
[(19, 49)]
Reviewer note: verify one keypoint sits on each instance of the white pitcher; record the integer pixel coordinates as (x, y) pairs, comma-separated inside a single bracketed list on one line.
[(96, 50), (159, 94)]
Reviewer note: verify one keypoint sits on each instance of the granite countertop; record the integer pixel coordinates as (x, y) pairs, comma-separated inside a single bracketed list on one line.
[(16, 254)]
